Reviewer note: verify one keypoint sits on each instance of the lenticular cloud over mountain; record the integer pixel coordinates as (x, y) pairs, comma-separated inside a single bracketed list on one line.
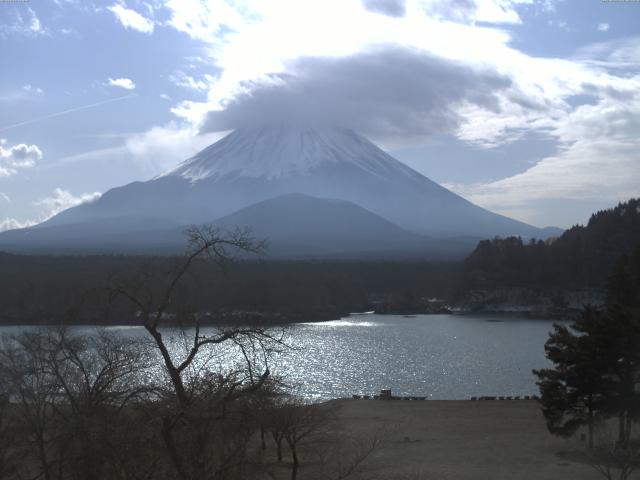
[(255, 164), (385, 92)]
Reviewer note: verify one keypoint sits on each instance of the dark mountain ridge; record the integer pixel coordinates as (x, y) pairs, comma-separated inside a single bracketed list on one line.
[(300, 225)]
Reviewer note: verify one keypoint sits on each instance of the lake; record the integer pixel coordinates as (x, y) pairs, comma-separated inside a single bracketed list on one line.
[(436, 356)]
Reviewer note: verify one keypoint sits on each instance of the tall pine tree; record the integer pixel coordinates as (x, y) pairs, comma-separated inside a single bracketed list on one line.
[(573, 392), (596, 371)]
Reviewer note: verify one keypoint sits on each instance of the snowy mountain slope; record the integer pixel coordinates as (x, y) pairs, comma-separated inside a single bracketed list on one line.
[(253, 165), (281, 152)]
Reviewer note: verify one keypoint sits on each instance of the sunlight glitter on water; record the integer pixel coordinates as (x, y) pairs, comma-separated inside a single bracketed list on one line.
[(343, 322), (435, 356)]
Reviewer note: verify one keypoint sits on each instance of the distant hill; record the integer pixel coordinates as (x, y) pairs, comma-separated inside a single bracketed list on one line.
[(297, 225), (581, 258)]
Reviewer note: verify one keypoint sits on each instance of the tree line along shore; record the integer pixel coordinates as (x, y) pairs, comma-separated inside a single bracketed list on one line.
[(551, 279)]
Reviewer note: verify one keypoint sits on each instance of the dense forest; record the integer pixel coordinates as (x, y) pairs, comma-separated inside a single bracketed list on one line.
[(72, 289), (580, 259)]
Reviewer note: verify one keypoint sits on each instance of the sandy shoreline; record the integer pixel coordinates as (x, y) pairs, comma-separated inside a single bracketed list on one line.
[(458, 439)]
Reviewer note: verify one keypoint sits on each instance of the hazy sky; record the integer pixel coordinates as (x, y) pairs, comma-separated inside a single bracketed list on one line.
[(530, 108)]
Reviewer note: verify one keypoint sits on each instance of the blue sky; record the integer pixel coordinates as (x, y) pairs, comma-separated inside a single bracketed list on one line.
[(530, 108)]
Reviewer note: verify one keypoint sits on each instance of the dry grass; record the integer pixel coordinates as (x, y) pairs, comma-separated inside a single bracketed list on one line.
[(496, 440)]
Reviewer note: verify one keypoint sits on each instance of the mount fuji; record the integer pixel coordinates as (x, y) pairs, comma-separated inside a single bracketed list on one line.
[(256, 164)]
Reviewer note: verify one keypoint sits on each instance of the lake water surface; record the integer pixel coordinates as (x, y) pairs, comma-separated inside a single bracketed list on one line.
[(437, 356)]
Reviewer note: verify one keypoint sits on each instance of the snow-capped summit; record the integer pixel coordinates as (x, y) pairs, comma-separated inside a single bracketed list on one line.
[(280, 152)]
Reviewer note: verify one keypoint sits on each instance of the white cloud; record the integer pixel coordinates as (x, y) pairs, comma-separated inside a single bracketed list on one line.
[(17, 157), (390, 93), (264, 42), (260, 54), (63, 199), (202, 20), (24, 22), (549, 6), (154, 151), (618, 56), (132, 19), (393, 8), (561, 24), (31, 89), (597, 160), (164, 96), (161, 148), (259, 46), (26, 92), (60, 200), (471, 11), (12, 224), (125, 83), (5, 197), (603, 27), (183, 80)]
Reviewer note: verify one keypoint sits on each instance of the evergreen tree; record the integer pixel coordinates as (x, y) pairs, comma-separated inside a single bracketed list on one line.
[(573, 392), (596, 370), (623, 313)]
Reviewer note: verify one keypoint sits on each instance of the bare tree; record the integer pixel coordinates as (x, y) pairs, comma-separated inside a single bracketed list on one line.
[(97, 377), (261, 408), (33, 392), (7, 453), (202, 430), (67, 393), (208, 243), (293, 421)]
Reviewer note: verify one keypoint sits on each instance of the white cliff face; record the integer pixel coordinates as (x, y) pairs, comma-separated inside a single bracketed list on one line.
[(281, 152)]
